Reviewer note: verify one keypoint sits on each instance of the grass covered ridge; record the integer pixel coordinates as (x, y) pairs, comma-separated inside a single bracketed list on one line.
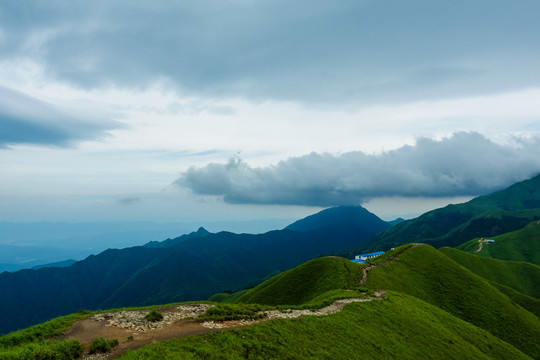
[(431, 276), (520, 245), (38, 342), (307, 283), (400, 326), (521, 276)]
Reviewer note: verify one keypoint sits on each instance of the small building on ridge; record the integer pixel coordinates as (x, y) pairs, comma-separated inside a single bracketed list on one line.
[(363, 257)]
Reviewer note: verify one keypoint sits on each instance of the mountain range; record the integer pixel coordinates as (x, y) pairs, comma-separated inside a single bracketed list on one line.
[(479, 300), (485, 216), (417, 303), (190, 267)]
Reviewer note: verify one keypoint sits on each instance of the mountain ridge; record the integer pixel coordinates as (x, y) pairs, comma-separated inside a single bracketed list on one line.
[(487, 215), (189, 267)]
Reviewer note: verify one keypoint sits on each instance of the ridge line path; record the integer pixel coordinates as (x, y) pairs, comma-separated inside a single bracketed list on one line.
[(481, 242), (133, 331)]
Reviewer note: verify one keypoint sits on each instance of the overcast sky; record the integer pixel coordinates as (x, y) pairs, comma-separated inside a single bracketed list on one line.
[(240, 109)]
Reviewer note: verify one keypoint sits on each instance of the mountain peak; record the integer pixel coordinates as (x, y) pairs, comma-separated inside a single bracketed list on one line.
[(339, 216), (202, 231)]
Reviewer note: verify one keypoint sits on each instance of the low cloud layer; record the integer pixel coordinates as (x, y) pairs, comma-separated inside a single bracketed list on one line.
[(463, 164), (27, 120)]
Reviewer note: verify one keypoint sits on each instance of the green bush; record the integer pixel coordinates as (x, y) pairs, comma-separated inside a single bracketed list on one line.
[(225, 312), (102, 345), (44, 350), (154, 316)]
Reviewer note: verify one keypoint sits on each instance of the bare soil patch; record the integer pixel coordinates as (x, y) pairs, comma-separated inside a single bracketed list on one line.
[(133, 331)]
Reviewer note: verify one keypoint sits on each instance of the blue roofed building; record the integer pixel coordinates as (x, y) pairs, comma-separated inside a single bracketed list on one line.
[(358, 261), (364, 257)]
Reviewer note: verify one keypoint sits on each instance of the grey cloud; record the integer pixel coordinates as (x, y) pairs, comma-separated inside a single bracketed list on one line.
[(463, 164), (27, 120), (317, 51)]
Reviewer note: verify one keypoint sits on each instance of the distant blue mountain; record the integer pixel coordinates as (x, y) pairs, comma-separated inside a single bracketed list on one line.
[(349, 217), (190, 267)]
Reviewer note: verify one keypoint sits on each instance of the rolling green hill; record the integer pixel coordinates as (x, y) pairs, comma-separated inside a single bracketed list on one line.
[(521, 276), (485, 216), (435, 308), (190, 267), (398, 327), (429, 275), (306, 283), (520, 245)]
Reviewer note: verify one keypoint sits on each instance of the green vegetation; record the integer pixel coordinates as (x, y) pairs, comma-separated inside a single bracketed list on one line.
[(44, 350), (41, 332), (227, 297), (225, 312), (527, 302), (307, 283), (102, 345), (443, 304), (37, 342), (521, 276), (400, 326), (520, 245), (484, 216), (431, 276), (154, 316)]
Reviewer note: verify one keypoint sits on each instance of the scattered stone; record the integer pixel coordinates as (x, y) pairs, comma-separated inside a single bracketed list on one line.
[(335, 307), (135, 320)]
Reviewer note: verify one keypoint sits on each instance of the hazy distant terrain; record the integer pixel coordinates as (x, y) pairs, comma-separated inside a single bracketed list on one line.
[(25, 245)]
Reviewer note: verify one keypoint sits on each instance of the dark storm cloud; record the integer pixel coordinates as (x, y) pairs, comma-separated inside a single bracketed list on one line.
[(27, 120), (324, 51), (463, 164)]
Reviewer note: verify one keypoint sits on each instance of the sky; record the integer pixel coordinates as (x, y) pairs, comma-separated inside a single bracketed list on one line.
[(240, 110)]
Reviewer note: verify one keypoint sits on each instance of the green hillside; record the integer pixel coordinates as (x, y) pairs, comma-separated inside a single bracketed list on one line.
[(400, 326), (527, 302), (485, 216), (521, 276), (520, 245), (435, 308), (190, 267), (429, 275), (306, 282)]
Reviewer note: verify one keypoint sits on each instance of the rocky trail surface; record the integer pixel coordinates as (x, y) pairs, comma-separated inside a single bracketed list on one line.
[(133, 331)]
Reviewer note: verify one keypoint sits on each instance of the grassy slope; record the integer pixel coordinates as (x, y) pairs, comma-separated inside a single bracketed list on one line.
[(400, 326), (528, 302), (488, 215), (36, 342), (520, 245), (521, 276), (306, 282), (433, 277)]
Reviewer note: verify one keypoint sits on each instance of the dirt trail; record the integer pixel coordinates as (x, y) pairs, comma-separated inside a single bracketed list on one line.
[(133, 331), (481, 242)]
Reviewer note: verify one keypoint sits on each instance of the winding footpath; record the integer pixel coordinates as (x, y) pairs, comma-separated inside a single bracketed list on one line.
[(481, 242), (133, 331)]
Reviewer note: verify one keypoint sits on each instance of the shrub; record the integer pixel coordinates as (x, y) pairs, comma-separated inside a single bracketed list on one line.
[(154, 316), (102, 345), (225, 312)]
